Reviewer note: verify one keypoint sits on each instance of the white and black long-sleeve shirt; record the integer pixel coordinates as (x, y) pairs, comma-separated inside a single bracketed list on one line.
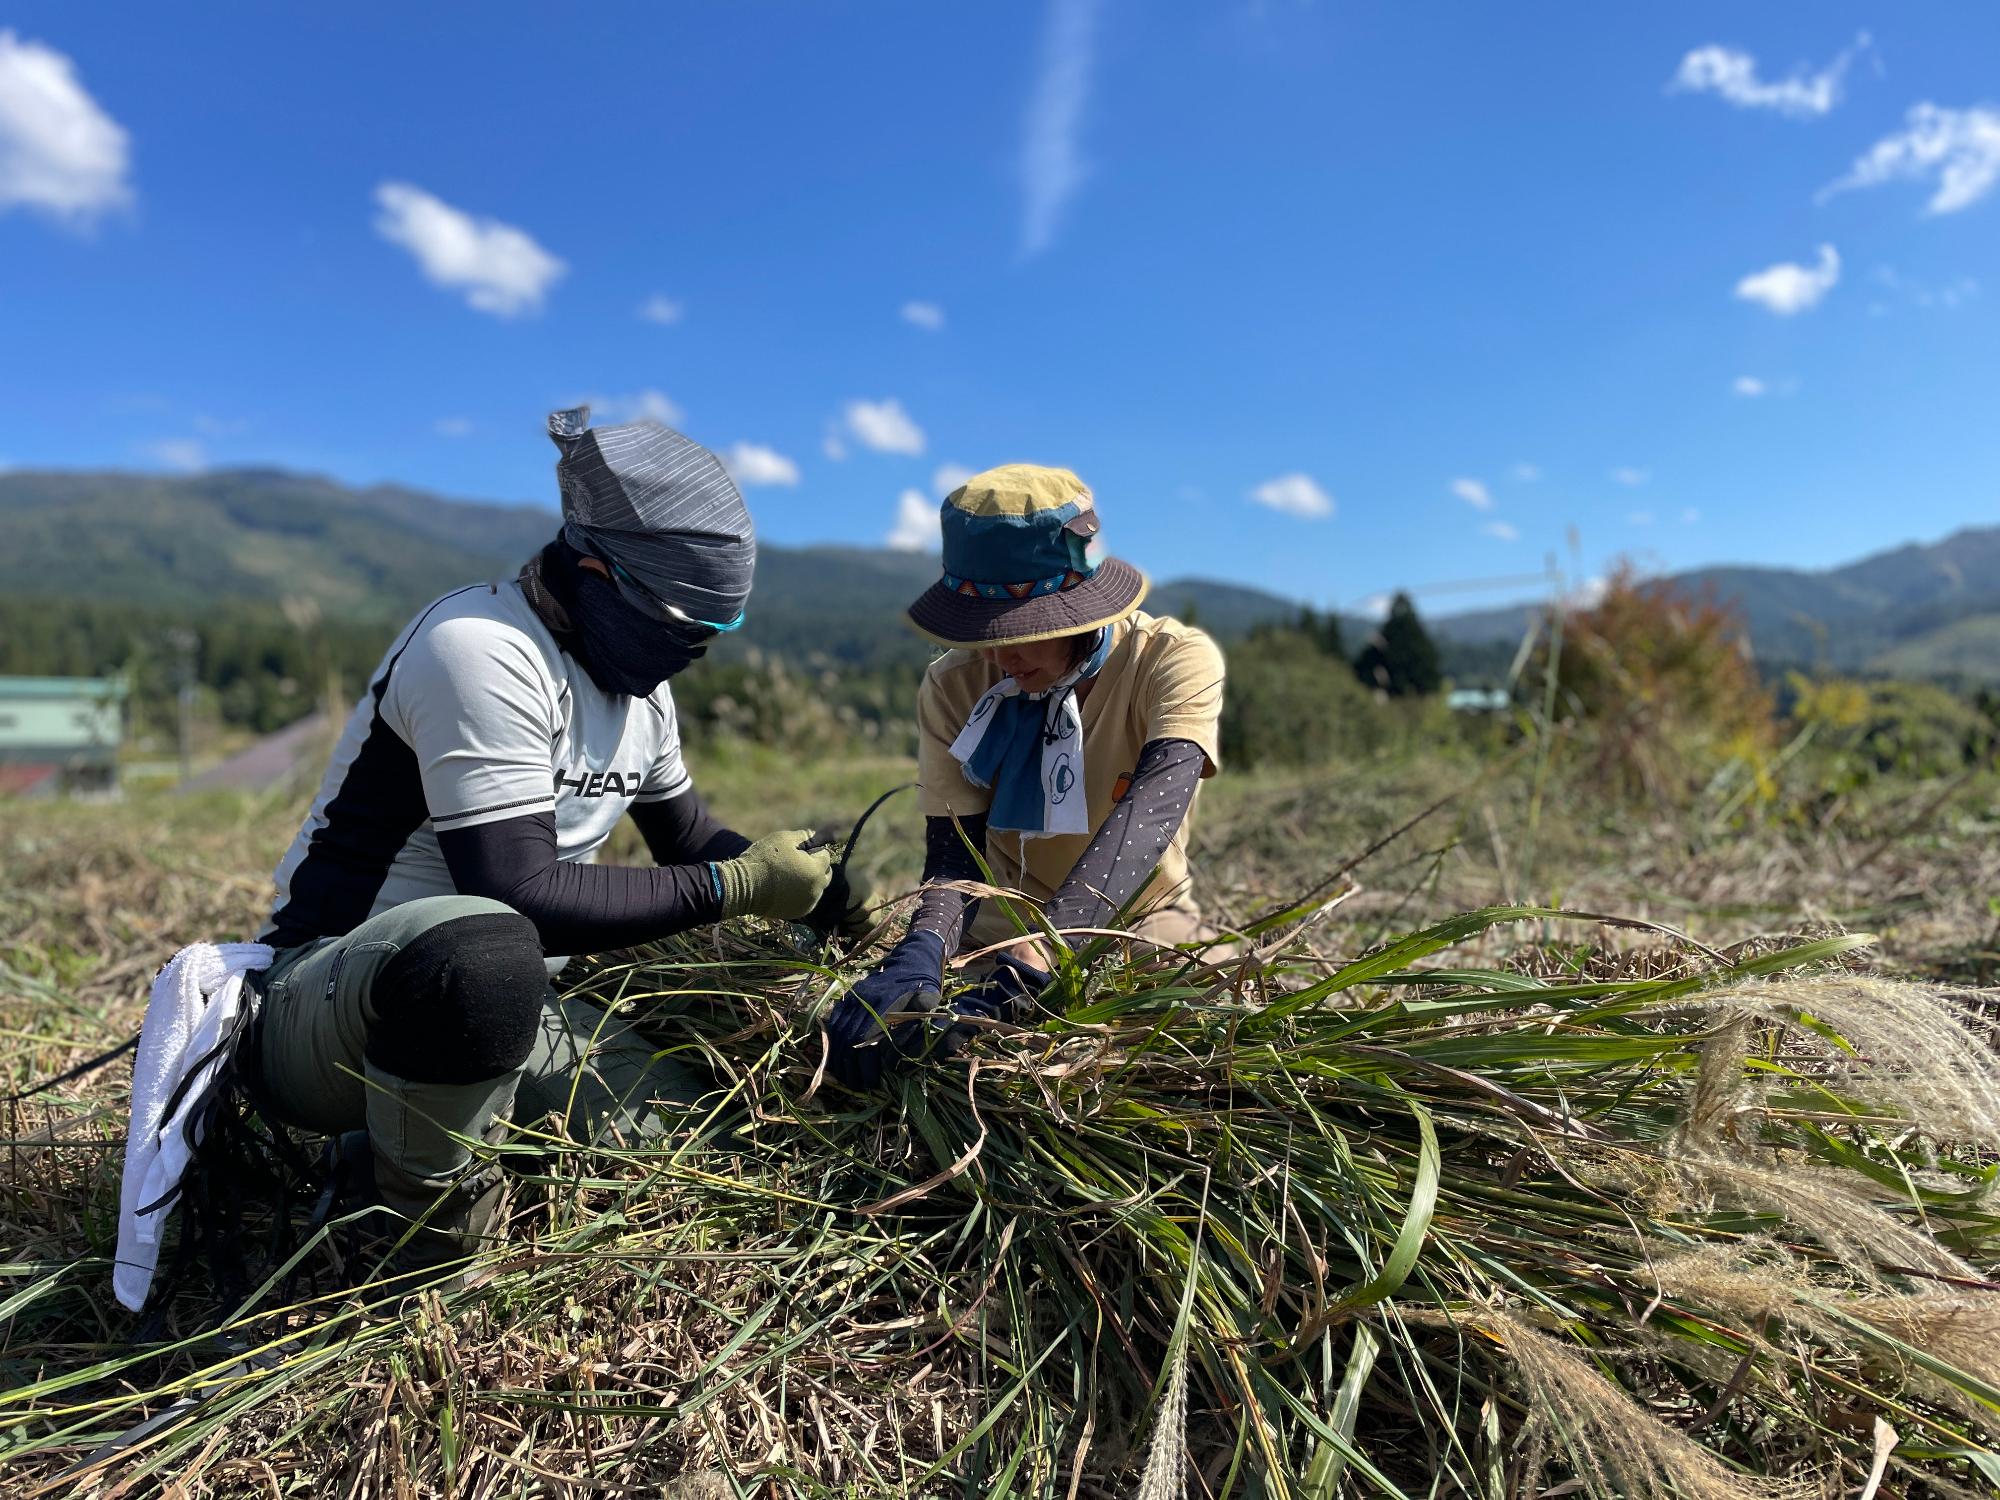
[(477, 718)]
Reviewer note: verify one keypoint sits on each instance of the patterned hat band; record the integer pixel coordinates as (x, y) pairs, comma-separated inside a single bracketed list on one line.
[(1056, 583)]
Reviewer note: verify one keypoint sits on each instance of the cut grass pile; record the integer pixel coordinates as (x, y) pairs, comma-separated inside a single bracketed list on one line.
[(1277, 1225), (1471, 1214)]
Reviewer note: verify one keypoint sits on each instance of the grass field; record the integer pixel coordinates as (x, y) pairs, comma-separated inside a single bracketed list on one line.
[(1545, 1157)]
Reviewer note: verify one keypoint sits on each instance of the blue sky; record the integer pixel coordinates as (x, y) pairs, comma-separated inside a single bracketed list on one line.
[(1331, 298)]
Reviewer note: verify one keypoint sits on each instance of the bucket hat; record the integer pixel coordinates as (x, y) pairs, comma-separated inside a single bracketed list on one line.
[(1015, 563)]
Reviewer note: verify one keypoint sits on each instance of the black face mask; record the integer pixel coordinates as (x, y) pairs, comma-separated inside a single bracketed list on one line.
[(623, 649)]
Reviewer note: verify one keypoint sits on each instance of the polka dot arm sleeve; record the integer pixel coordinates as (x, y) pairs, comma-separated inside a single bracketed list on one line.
[(1123, 854), (941, 910)]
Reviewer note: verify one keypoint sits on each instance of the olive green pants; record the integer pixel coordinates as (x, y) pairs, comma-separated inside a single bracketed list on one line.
[(586, 1066)]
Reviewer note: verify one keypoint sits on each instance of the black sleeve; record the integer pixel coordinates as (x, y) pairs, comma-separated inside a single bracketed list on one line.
[(681, 829), (576, 908), (1123, 854), (941, 910)]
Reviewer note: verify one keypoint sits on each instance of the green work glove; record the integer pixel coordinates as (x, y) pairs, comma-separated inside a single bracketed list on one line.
[(857, 918), (846, 909), (778, 876)]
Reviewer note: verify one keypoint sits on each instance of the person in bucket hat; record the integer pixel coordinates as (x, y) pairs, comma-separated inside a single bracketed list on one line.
[(1063, 736), (509, 728)]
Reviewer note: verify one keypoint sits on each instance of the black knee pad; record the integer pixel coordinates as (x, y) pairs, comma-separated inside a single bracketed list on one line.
[(460, 1001)]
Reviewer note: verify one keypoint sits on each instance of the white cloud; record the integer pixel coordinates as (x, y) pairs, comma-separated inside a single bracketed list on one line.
[(916, 528), (1789, 288), (1690, 516), (1295, 495), (1376, 606), (641, 406), (1590, 593), (1473, 492), (185, 454), (654, 406), (1527, 473), (884, 426), (831, 445), (925, 315), (500, 268), (60, 153), (948, 478), (752, 463), (1733, 75), (1962, 290), (1951, 295), (1640, 518), (453, 427), (1754, 387), (1960, 147), (660, 309), (1501, 531), (1630, 476), (1052, 168)]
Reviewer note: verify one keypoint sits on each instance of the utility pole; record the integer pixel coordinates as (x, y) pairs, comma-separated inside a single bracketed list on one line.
[(184, 643)]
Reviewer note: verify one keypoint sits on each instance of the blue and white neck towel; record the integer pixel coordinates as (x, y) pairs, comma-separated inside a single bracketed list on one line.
[(1029, 749)]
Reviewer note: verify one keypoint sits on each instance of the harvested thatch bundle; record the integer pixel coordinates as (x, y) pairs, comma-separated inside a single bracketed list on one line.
[(1276, 1225)]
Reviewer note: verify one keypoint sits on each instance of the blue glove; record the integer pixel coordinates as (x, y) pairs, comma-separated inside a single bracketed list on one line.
[(1007, 993), (911, 978)]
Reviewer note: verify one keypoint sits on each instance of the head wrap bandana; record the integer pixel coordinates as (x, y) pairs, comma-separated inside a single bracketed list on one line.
[(1028, 747), (660, 507)]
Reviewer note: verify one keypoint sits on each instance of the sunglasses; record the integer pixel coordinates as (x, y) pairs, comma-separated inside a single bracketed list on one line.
[(649, 602)]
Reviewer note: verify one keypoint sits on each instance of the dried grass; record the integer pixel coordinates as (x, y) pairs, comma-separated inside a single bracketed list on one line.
[(724, 1321), (1860, 1232), (1901, 1046), (1610, 1442)]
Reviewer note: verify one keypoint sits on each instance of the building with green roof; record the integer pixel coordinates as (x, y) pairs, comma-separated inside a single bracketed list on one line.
[(60, 734)]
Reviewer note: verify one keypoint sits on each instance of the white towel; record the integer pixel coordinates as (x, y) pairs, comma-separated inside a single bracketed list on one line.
[(1032, 786), (195, 1003)]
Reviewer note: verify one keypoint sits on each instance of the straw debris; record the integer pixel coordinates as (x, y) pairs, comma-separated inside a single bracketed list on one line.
[(1242, 1160), (1610, 1442), (1902, 1046)]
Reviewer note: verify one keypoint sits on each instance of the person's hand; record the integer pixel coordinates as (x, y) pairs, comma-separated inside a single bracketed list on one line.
[(863, 1041), (1006, 994), (846, 908), (781, 875)]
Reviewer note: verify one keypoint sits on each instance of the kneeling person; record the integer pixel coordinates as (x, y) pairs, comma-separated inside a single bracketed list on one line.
[(1066, 734), (505, 733)]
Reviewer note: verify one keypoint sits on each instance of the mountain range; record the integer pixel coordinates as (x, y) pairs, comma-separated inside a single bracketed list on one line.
[(374, 553), (1919, 610), (371, 554)]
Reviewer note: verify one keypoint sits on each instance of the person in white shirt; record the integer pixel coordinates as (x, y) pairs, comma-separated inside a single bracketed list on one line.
[(444, 868)]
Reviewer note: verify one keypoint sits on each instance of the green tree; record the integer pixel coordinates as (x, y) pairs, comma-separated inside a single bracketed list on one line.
[(1401, 659), (1323, 630), (1289, 704)]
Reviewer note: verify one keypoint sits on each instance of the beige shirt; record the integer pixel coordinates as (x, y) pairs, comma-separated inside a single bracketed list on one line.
[(1162, 681)]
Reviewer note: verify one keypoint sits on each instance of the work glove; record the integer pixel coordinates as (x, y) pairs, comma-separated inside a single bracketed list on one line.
[(781, 875), (860, 1047), (846, 909), (1006, 994)]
